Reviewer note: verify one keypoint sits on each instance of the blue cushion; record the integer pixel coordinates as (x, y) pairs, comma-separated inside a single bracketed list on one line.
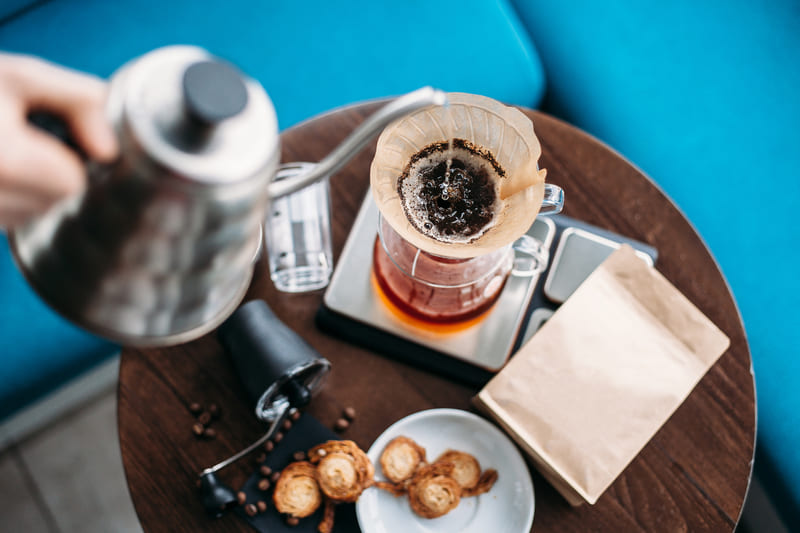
[(311, 56), (38, 350), (704, 97)]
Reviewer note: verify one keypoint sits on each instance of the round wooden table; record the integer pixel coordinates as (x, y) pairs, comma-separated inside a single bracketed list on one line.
[(692, 476)]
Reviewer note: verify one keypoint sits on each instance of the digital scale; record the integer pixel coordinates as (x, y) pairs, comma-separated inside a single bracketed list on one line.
[(354, 310)]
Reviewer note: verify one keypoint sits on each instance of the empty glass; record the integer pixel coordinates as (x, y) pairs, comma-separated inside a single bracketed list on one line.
[(297, 234)]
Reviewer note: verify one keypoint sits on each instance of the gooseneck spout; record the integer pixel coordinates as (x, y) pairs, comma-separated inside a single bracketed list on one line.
[(373, 125)]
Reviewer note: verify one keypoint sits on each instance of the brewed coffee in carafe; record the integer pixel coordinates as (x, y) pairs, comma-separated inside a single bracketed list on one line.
[(456, 186)]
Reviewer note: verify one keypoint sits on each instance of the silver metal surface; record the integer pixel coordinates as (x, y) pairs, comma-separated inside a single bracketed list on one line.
[(280, 410), (579, 252), (486, 344), (310, 374), (158, 249), (354, 142), (535, 322)]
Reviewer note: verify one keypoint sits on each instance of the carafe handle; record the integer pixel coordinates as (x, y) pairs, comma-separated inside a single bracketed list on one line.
[(553, 201)]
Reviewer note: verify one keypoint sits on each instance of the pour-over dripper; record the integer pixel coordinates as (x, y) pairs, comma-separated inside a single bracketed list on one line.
[(502, 132)]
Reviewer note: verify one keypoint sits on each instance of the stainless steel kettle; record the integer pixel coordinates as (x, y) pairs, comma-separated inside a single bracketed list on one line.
[(159, 248)]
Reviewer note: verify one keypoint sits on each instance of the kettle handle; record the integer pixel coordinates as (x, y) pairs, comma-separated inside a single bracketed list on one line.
[(58, 128), (354, 142)]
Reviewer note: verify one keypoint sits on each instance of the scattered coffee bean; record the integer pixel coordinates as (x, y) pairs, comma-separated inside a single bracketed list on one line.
[(269, 446), (350, 413), (341, 424), (265, 471), (198, 429), (275, 477), (278, 437), (263, 484), (214, 411), (204, 418), (262, 506), (299, 456), (251, 509), (241, 497), (292, 521), (260, 458), (287, 425), (195, 408), (296, 415), (210, 433)]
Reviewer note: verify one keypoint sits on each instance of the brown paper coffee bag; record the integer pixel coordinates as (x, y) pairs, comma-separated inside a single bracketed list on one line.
[(596, 382)]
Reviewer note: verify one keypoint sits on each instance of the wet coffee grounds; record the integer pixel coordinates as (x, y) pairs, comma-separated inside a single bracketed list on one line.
[(453, 200)]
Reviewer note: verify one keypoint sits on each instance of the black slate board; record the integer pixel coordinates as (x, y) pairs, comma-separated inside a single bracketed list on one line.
[(304, 434)]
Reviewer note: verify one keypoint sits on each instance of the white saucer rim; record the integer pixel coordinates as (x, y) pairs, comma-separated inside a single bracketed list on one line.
[(458, 413)]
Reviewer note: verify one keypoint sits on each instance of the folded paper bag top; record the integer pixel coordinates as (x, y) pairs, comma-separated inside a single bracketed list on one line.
[(597, 381)]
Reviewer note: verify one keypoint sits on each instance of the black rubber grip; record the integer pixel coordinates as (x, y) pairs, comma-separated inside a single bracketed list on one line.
[(264, 350)]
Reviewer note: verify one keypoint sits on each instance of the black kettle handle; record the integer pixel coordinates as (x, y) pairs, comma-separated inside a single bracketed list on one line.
[(58, 128)]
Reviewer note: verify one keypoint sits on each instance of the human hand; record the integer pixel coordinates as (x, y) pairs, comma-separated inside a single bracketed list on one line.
[(36, 169)]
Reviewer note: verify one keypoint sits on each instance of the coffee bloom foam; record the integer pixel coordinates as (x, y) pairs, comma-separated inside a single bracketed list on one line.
[(429, 215)]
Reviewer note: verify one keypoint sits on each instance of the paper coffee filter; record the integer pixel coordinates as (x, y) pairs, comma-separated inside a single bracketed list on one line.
[(503, 131)]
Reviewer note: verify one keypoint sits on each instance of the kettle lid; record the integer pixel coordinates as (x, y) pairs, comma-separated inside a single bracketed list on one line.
[(194, 114)]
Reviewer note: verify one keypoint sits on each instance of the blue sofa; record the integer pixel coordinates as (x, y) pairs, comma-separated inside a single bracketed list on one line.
[(703, 96)]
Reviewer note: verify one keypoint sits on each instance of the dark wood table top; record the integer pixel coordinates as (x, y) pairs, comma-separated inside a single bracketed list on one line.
[(692, 476)]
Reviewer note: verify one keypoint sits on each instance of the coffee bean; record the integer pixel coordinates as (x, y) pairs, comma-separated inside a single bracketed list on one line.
[(241, 497), (341, 425), (296, 415), (251, 509), (278, 437), (263, 484), (260, 458), (269, 446), (262, 506), (210, 433), (275, 477), (198, 483), (350, 413), (198, 429), (204, 418), (195, 408), (287, 425), (265, 471), (292, 521), (299, 456), (214, 411)]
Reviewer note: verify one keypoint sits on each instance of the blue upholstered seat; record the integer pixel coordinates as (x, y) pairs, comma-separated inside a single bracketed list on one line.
[(38, 350), (705, 97), (311, 56)]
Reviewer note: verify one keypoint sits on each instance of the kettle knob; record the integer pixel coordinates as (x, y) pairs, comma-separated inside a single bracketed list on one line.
[(212, 92)]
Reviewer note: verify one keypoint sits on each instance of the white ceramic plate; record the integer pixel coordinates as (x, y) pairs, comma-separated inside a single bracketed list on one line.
[(507, 508)]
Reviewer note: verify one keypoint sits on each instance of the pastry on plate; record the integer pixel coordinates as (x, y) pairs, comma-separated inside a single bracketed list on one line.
[(466, 469), (401, 458), (433, 492)]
